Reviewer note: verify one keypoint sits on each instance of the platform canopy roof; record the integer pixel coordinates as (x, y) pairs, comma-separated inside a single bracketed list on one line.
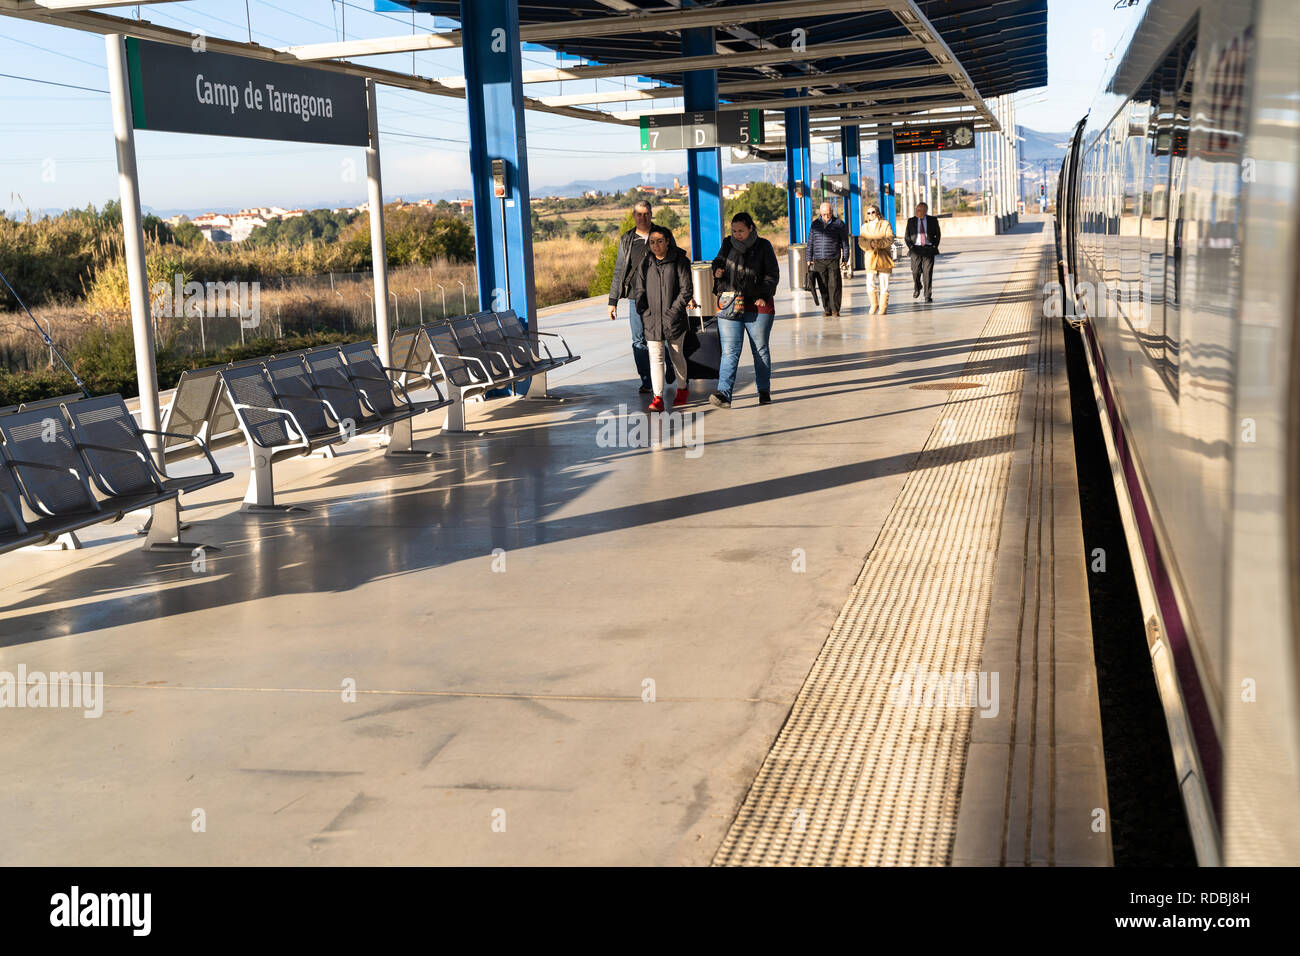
[(870, 63), (864, 61)]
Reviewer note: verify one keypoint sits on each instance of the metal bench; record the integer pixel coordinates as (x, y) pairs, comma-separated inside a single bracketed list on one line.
[(518, 352), (15, 531), (515, 333), (200, 408), (383, 397), (268, 418), (308, 402), (470, 342), (52, 476), (122, 464)]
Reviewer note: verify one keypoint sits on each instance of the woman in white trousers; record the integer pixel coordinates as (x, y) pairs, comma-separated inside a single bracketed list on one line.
[(877, 241)]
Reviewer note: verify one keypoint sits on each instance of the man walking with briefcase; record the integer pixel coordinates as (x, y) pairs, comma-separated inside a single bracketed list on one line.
[(828, 253)]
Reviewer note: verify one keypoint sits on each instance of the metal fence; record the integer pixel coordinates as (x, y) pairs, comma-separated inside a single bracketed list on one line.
[(341, 302)]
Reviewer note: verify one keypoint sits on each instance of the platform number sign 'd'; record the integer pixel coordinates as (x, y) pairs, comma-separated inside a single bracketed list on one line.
[(702, 129), (176, 89), (928, 139)]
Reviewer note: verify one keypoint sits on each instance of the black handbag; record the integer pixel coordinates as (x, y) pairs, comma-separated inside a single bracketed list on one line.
[(703, 349), (812, 282)]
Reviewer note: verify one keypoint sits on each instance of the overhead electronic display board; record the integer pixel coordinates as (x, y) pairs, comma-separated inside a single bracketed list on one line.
[(929, 139), (701, 129)]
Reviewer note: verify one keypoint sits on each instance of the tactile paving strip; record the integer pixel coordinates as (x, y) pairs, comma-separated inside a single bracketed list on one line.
[(853, 778)]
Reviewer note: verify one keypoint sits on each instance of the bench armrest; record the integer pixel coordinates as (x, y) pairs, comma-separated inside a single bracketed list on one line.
[(203, 446), (303, 440)]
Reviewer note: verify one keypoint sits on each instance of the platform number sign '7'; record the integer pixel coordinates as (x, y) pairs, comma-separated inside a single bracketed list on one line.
[(701, 129)]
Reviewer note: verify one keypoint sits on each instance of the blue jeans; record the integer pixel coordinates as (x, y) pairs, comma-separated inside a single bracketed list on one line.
[(640, 351), (731, 334)]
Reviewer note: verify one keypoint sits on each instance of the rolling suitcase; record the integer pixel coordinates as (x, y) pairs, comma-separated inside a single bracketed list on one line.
[(703, 346), (703, 350)]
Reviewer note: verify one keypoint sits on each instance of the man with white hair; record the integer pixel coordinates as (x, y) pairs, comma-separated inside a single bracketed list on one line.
[(828, 252)]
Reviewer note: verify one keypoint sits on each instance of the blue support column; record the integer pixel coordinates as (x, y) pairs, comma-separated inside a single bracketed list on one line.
[(797, 169), (851, 154), (805, 137), (503, 234), (703, 166), (886, 154)]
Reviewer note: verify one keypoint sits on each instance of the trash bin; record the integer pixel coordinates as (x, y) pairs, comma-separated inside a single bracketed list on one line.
[(703, 347), (702, 290), (798, 260)]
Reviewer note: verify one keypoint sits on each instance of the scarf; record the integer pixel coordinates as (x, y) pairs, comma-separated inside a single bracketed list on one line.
[(736, 251), (878, 230)]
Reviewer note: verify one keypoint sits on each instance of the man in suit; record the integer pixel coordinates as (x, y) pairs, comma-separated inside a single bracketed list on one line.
[(922, 237)]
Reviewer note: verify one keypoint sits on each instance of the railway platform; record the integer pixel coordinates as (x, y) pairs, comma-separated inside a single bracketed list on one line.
[(850, 627)]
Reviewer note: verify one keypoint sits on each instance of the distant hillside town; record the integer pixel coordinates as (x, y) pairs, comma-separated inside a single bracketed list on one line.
[(218, 227)]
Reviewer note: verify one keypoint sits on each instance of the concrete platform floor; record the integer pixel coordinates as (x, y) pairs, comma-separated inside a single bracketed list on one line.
[(500, 713)]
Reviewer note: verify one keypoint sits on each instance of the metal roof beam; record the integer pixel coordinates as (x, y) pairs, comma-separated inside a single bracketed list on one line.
[(920, 107), (712, 61), (639, 22), (754, 86), (882, 98), (75, 6), (906, 119), (916, 23)]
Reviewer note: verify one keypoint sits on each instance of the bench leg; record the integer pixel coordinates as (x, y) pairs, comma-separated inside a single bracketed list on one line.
[(143, 529), (260, 497), (401, 441), (537, 389), (165, 530), (64, 542), (455, 420)]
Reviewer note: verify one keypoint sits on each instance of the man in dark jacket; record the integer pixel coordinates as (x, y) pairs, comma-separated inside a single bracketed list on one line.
[(828, 252), (922, 237), (661, 288), (632, 249)]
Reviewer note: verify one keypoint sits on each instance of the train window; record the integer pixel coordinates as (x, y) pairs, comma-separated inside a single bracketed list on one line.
[(1180, 94), (1152, 243)]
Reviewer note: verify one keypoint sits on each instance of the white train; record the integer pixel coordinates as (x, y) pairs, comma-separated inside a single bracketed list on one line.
[(1179, 243)]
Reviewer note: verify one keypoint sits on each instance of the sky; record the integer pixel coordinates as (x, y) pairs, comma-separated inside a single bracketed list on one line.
[(56, 148)]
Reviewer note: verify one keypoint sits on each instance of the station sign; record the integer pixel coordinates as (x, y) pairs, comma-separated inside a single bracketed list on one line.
[(701, 129), (835, 184), (929, 139), (756, 154), (180, 90)]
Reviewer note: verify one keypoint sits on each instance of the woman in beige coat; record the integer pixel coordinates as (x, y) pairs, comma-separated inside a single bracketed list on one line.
[(877, 241)]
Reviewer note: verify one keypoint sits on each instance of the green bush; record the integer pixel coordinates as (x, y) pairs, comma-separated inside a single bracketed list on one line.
[(19, 387), (106, 363), (604, 277), (764, 201)]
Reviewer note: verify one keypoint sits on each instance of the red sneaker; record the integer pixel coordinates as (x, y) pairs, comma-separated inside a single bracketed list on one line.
[(657, 405), (681, 397)]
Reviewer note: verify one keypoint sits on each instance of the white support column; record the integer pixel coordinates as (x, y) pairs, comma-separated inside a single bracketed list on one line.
[(981, 149), (1015, 159), (378, 248), (1002, 159), (1011, 160), (128, 182), (938, 183), (165, 521)]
